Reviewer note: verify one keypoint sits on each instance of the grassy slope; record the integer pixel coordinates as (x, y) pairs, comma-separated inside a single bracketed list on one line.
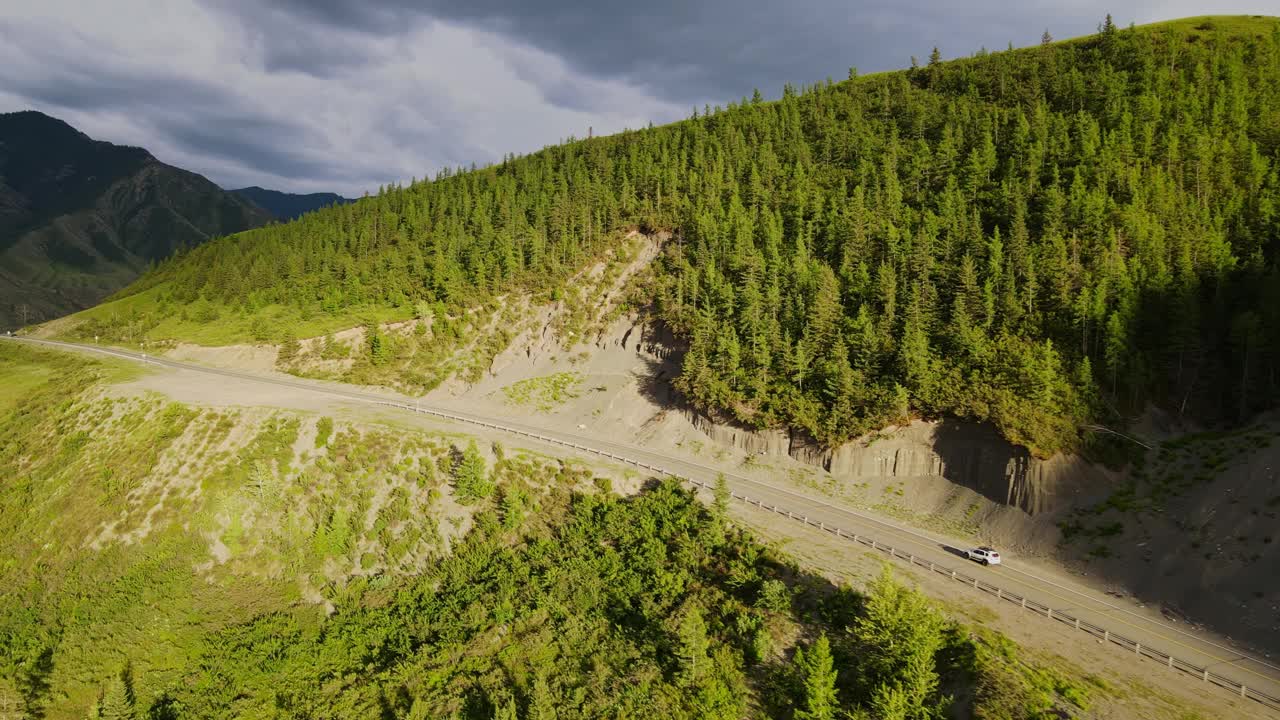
[(145, 535), (207, 324), (115, 509)]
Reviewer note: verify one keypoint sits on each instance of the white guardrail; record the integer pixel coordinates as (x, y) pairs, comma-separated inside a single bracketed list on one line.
[(1064, 617)]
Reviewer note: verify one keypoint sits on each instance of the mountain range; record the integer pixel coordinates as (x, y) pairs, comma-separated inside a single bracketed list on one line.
[(289, 206), (81, 218)]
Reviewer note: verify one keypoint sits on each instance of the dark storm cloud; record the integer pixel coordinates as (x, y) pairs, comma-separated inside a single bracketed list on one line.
[(200, 117), (309, 95), (720, 50), (289, 39), (255, 141), (63, 69)]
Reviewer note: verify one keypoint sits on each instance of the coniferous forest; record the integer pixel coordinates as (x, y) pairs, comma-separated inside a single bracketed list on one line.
[(1042, 238)]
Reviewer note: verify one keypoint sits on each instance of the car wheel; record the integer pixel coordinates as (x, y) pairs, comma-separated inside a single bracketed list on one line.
[(986, 562)]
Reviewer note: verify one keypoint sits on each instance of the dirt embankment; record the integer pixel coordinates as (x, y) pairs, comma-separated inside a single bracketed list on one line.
[(966, 454)]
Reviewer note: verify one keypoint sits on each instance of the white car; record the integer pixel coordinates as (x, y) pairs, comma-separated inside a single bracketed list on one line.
[(984, 555)]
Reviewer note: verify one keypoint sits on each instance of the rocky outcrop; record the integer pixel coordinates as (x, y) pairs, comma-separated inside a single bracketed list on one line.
[(755, 442), (968, 454)]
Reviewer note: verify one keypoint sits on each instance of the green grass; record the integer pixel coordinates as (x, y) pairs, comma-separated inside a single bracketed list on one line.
[(19, 378), (1234, 25), (1014, 683), (26, 368), (148, 316), (544, 393), (85, 473)]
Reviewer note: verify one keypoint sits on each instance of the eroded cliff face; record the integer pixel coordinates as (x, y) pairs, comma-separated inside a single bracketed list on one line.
[(966, 454)]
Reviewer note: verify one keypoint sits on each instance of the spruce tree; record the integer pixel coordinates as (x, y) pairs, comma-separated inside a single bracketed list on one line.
[(471, 477), (818, 670)]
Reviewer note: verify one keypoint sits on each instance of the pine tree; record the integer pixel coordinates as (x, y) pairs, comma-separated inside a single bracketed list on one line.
[(470, 476), (722, 496), (542, 705), (819, 673), (692, 646), (505, 710), (117, 702), (379, 345), (898, 636)]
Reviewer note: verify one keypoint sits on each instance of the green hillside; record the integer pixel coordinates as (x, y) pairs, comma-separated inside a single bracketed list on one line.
[(1041, 238), (161, 561)]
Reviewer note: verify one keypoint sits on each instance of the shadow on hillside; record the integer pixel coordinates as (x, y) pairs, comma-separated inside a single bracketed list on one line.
[(976, 456), (655, 383), (663, 358)]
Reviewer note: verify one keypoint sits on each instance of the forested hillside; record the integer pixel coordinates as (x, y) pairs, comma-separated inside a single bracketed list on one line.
[(1042, 238)]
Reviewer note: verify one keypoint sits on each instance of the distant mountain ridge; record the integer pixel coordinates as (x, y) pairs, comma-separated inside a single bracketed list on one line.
[(289, 206), (81, 218)]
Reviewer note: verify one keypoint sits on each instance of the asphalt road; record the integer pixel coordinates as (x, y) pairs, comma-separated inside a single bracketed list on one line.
[(1187, 644)]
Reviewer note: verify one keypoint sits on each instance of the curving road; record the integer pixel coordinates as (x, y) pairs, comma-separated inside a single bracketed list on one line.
[(1202, 657)]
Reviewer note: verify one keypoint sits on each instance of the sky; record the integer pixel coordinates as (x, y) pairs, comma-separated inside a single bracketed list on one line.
[(344, 96)]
